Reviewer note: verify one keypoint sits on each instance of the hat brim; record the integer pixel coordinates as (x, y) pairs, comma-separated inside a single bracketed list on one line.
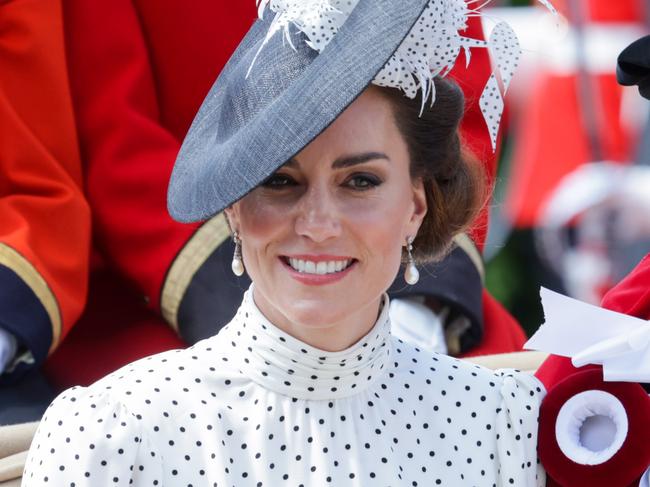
[(633, 66), (214, 170)]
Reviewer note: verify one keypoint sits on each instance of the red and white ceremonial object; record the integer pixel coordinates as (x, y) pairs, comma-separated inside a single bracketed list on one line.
[(595, 418)]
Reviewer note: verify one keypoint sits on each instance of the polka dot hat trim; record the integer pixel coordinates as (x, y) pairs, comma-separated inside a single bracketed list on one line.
[(429, 50), (286, 365)]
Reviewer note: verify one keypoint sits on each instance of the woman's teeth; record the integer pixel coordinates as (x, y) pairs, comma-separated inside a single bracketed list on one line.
[(310, 267)]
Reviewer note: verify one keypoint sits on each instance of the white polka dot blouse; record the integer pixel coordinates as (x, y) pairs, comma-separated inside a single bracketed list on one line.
[(253, 406)]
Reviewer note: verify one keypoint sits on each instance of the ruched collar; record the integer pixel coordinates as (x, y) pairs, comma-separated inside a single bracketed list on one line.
[(284, 364)]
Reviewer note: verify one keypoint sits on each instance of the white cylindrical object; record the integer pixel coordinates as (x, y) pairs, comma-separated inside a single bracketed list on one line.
[(609, 427)]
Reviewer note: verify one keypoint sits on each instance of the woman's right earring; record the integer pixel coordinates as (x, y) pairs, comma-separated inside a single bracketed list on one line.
[(237, 262), (411, 274)]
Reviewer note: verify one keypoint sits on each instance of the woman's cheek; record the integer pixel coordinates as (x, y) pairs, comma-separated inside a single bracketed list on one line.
[(260, 217), (382, 214), (379, 226)]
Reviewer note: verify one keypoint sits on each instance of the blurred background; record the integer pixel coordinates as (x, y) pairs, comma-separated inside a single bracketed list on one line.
[(571, 209)]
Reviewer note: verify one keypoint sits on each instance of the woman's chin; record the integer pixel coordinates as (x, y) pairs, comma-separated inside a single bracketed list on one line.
[(316, 314)]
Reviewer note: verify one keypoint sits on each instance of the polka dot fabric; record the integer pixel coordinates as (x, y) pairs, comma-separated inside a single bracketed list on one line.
[(237, 410), (506, 52), (491, 103), (318, 20), (429, 50)]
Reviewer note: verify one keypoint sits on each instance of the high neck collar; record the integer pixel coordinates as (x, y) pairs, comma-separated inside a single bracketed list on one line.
[(284, 364)]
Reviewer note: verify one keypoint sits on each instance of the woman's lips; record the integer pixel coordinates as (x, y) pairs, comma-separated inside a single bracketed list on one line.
[(318, 270)]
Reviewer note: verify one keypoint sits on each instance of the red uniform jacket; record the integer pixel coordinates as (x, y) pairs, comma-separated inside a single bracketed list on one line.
[(44, 216)]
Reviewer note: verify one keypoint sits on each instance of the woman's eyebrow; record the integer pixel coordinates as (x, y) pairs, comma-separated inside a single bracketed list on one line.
[(346, 161), (355, 159)]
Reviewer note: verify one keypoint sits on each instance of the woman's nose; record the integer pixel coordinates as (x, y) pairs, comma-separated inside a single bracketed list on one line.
[(318, 216)]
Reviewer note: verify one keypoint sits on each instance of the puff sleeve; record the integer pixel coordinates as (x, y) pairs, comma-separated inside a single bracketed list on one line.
[(87, 439), (517, 428)]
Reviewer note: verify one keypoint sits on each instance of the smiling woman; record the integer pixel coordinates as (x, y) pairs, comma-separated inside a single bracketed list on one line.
[(328, 184), (346, 197), (322, 237)]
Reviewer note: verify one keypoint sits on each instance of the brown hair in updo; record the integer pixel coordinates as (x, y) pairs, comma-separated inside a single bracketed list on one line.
[(454, 182)]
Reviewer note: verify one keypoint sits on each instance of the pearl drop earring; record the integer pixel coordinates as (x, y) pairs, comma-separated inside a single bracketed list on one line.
[(237, 262), (411, 274)]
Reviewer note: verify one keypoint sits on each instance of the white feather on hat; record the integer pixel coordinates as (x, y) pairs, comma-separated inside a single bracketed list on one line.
[(429, 50)]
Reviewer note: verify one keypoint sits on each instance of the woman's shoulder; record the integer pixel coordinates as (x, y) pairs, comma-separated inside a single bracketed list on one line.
[(87, 434), (126, 410), (154, 383), (448, 376), (494, 409)]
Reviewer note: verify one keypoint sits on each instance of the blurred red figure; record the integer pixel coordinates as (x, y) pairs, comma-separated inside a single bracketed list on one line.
[(138, 72), (45, 218), (554, 136), (107, 157)]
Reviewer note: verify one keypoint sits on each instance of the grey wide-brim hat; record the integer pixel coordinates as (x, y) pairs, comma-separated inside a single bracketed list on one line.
[(249, 126)]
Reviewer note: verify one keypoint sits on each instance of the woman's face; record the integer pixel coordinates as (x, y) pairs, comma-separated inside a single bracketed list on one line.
[(322, 238)]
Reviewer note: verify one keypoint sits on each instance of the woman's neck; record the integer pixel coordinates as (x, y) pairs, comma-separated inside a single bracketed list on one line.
[(330, 337)]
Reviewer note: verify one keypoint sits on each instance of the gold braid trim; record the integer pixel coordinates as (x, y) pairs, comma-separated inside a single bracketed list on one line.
[(463, 241), (28, 273), (189, 260)]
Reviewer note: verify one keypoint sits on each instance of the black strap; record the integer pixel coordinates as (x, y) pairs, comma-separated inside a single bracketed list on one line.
[(588, 99)]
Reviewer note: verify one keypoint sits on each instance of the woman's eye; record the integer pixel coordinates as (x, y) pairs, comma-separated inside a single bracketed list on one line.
[(278, 181), (363, 181)]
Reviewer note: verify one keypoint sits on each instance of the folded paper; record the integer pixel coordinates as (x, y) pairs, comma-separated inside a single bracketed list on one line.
[(592, 335)]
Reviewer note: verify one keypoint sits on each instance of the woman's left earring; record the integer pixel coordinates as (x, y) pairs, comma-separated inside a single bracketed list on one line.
[(411, 274), (237, 262)]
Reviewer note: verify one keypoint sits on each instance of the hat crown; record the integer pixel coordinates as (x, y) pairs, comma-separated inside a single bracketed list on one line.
[(255, 83)]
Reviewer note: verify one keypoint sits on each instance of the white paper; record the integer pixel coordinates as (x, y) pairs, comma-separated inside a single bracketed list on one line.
[(590, 334)]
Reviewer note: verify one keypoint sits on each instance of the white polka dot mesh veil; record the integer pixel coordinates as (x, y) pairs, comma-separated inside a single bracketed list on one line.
[(429, 50)]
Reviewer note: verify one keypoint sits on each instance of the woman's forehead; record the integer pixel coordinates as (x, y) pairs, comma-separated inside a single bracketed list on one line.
[(366, 127)]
